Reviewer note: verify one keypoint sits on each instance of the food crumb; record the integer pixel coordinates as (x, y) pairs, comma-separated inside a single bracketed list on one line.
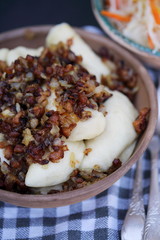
[(87, 151), (140, 123)]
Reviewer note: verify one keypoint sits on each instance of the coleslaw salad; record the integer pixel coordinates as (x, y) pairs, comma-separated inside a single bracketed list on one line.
[(138, 20)]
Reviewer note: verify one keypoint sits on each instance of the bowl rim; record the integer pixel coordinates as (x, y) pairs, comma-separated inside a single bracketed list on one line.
[(118, 36), (66, 198)]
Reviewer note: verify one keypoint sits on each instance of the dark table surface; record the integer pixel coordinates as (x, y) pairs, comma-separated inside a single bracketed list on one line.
[(19, 13)]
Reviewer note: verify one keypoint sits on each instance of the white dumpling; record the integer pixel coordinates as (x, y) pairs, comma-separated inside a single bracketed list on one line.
[(22, 52), (93, 63), (56, 173), (119, 133), (3, 54), (127, 152), (90, 128)]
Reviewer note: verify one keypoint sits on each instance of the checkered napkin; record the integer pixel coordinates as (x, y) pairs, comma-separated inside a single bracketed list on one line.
[(100, 217)]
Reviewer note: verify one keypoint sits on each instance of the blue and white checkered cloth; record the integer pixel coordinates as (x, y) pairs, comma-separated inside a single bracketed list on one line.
[(99, 218)]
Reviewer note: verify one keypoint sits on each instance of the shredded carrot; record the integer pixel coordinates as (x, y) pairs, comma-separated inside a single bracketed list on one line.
[(155, 11), (150, 42), (116, 16)]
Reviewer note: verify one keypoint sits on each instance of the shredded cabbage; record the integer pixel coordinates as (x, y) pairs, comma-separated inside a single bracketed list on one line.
[(143, 26)]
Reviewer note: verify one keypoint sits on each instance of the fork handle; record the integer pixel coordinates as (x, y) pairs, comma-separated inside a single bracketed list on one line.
[(152, 226), (133, 225)]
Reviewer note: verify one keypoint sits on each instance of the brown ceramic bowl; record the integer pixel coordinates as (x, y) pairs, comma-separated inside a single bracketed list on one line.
[(145, 54), (146, 97)]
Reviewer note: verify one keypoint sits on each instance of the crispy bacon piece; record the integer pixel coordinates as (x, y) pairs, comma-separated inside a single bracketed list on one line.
[(66, 131), (140, 123), (8, 152), (56, 155), (87, 151)]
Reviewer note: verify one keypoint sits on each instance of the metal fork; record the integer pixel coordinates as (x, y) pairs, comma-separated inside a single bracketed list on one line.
[(149, 230), (152, 226), (133, 225)]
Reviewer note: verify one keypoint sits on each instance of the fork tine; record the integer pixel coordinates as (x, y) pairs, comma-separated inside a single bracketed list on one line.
[(153, 215)]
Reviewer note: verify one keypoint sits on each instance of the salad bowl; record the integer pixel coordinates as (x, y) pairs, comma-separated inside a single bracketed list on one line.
[(143, 53)]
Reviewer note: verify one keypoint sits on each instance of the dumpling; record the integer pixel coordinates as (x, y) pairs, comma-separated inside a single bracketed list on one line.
[(11, 55), (22, 52), (119, 133), (3, 54), (63, 32), (125, 155), (56, 173), (90, 128)]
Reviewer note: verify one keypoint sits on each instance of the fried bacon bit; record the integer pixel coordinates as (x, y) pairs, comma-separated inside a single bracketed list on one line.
[(87, 151), (15, 164), (140, 123), (3, 144), (117, 163), (56, 155), (68, 107), (70, 42), (66, 131), (3, 66), (53, 117), (8, 151), (19, 148), (16, 118), (38, 111), (79, 179)]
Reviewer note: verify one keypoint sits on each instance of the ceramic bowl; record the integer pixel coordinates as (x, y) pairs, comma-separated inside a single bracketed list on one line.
[(146, 97), (145, 54)]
